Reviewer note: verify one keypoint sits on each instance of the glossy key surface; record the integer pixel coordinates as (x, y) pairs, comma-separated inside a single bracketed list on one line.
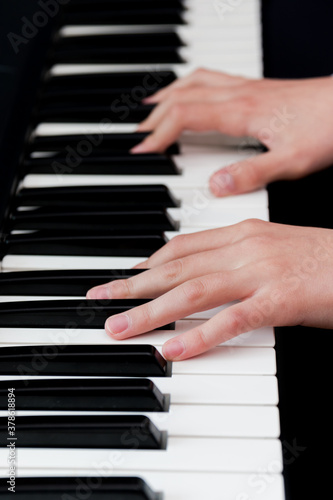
[(84, 360), (85, 394), (69, 244), (65, 313), (71, 162), (85, 431), (85, 145), (98, 197), (99, 488), (63, 283)]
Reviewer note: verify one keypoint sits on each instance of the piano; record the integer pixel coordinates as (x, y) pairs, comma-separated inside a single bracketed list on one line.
[(205, 428)]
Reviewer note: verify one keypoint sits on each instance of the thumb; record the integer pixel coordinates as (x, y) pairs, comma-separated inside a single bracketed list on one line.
[(247, 175)]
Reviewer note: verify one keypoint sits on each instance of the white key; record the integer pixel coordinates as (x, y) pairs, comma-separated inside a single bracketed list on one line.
[(30, 262), (264, 337), (207, 389), (211, 217), (230, 361), (218, 361), (195, 169), (200, 420), (182, 454), (195, 200), (247, 66), (206, 217), (220, 389), (197, 164)]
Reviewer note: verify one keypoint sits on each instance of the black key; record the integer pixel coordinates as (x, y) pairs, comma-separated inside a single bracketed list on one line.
[(94, 16), (114, 105), (85, 431), (135, 56), (97, 197), (62, 283), (84, 395), (92, 144), (72, 163), (97, 245), (89, 97), (58, 219), (89, 112), (123, 5), (129, 48), (84, 360), (119, 42), (138, 84), (65, 313), (96, 488)]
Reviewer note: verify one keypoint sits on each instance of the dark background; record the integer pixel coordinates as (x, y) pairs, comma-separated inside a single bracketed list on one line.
[(19, 74), (298, 43)]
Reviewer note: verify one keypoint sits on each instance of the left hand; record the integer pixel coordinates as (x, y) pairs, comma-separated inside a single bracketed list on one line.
[(278, 113), (281, 275)]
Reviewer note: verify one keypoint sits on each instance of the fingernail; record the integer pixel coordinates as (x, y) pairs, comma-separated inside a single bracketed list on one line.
[(222, 183), (99, 293), (117, 324), (147, 100), (174, 349)]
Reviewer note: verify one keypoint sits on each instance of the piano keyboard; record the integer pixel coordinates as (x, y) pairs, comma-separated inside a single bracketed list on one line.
[(216, 431)]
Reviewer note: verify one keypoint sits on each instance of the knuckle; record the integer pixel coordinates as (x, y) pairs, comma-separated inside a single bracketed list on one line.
[(175, 246), (261, 240), (172, 270), (199, 72), (176, 95), (300, 161), (200, 339), (122, 288), (253, 175), (238, 322), (247, 102), (177, 111), (252, 226), (194, 291), (147, 314), (129, 287), (257, 244)]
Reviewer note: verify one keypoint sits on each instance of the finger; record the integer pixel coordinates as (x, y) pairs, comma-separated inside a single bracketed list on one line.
[(184, 245), (225, 117), (141, 265), (195, 95), (229, 323), (163, 278), (180, 116), (248, 175), (155, 117), (200, 77), (195, 295)]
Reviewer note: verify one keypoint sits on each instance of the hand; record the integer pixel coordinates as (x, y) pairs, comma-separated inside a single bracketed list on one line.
[(292, 118), (280, 275)]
